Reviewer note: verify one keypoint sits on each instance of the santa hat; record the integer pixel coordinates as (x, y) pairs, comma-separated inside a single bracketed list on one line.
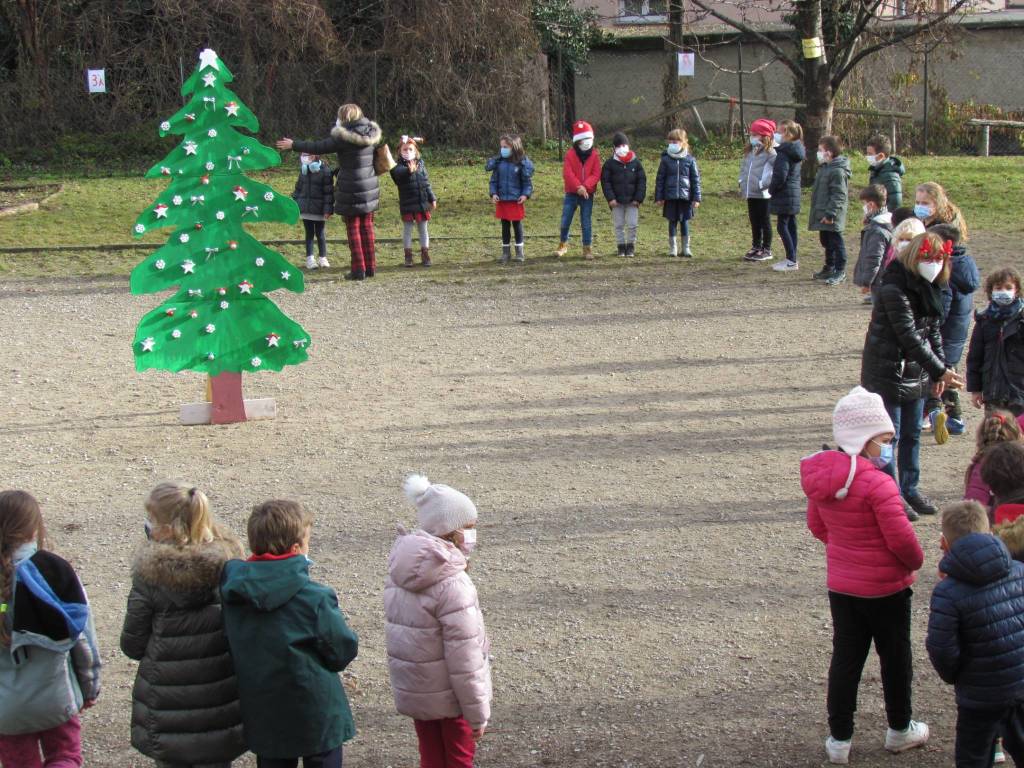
[(439, 509), (762, 127), (857, 418), (581, 130)]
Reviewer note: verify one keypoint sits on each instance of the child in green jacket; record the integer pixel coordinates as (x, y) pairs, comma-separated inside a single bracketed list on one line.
[(885, 170), (829, 201), (289, 641)]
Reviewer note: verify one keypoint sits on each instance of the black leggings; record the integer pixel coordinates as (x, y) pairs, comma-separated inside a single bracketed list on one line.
[(315, 229), (760, 222), (506, 231)]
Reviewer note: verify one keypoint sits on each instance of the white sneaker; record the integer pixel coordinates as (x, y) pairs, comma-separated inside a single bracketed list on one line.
[(786, 266), (838, 751), (900, 741), (310, 262), (323, 263)]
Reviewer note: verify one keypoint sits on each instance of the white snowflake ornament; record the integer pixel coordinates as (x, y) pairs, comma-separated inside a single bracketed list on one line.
[(160, 264), (259, 261), (165, 126), (224, 305), (177, 200), (176, 334), (139, 228), (256, 362), (220, 215), (268, 196), (212, 133), (210, 166), (183, 237), (210, 328)]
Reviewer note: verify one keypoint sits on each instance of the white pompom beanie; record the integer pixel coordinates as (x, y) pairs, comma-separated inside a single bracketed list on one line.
[(858, 417), (439, 508)]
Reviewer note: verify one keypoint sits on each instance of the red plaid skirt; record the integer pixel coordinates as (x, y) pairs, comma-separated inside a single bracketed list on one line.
[(418, 216)]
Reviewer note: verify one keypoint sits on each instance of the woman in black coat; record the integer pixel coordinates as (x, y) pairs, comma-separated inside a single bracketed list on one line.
[(903, 358), (357, 191), (785, 190)]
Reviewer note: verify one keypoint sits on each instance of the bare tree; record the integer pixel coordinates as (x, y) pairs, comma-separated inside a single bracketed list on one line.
[(849, 30)]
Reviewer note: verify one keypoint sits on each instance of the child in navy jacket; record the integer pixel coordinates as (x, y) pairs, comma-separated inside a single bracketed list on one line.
[(677, 189), (511, 186)]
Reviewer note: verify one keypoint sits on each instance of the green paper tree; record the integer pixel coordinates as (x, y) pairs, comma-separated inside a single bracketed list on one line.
[(219, 319)]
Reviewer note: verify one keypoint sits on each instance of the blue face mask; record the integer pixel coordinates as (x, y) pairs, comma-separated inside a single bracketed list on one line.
[(922, 211), (314, 166), (675, 149), (506, 152), (1003, 298), (884, 458)]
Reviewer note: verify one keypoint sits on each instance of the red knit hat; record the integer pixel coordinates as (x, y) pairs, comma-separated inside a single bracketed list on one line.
[(762, 127), (581, 130)]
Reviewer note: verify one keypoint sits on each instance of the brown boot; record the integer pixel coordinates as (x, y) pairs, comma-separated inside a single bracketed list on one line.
[(408, 257), (425, 256), (563, 248), (588, 253)]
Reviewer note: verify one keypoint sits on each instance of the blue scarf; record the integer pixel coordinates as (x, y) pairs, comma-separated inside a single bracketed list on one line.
[(314, 167), (1003, 312)]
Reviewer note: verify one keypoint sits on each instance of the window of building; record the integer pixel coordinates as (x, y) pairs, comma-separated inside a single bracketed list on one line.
[(642, 11)]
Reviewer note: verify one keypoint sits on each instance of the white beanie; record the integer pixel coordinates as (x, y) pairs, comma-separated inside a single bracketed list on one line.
[(439, 509), (858, 417)]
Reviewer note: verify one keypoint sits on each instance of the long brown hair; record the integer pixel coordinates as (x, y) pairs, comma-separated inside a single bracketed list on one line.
[(998, 426), (515, 143), (185, 510), (21, 521), (945, 211)]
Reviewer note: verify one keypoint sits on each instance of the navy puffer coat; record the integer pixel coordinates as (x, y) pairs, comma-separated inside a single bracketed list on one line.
[(958, 304), (785, 185), (510, 180), (975, 635), (678, 179)]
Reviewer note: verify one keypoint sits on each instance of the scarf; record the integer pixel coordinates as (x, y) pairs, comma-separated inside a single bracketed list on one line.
[(583, 154), (677, 156), (1001, 313), (627, 159), (930, 293)]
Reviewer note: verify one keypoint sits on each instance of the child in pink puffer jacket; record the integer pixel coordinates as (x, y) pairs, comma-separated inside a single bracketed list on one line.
[(438, 652), (872, 554)]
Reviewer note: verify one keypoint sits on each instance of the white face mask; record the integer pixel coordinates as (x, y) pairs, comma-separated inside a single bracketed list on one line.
[(586, 144), (929, 270), (468, 540), (822, 157), (408, 154), (872, 160), (868, 211), (622, 151), (1004, 297)]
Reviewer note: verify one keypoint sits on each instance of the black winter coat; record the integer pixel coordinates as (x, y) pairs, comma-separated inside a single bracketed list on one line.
[(678, 179), (185, 699), (903, 347), (975, 636), (414, 192), (995, 360), (785, 184), (314, 192), (357, 191), (624, 183)]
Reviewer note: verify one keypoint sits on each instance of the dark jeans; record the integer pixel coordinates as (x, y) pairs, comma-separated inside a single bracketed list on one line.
[(835, 250), (906, 421), (978, 729), (684, 227), (569, 206), (330, 759), (315, 229), (760, 222), (856, 621), (506, 231), (950, 401), (787, 231)]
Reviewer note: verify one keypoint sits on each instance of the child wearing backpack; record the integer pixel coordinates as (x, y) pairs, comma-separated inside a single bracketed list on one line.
[(49, 661)]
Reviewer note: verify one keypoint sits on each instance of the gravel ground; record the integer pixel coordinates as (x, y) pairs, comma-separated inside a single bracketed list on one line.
[(631, 439)]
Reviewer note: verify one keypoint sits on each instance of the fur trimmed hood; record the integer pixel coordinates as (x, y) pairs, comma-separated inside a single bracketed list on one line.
[(181, 569), (362, 132), (1012, 534)]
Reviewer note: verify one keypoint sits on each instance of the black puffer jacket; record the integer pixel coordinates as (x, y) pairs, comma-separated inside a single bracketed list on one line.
[(624, 183), (414, 192), (314, 191), (185, 700), (357, 191), (785, 184), (903, 347)]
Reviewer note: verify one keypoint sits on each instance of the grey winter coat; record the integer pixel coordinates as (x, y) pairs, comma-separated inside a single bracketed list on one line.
[(185, 700), (357, 190), (874, 240), (830, 196), (756, 174)]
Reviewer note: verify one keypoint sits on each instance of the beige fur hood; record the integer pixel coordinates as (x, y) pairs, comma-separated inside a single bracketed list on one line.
[(362, 132), (182, 569)]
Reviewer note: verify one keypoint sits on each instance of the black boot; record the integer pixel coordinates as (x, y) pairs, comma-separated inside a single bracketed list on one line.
[(355, 275), (630, 250), (622, 249)]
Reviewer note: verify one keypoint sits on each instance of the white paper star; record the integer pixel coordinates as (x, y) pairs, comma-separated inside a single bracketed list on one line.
[(191, 147), (161, 211), (299, 343), (210, 328), (232, 108), (245, 287), (259, 261), (272, 340), (188, 267), (256, 362), (176, 334), (165, 170), (240, 193), (193, 314), (224, 305), (212, 133), (220, 215), (177, 200), (209, 79), (148, 343), (210, 166), (160, 264), (165, 126), (140, 228), (183, 237), (208, 58), (268, 196), (286, 275)]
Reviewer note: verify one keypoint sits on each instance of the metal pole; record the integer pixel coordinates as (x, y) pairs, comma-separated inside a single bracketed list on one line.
[(561, 102), (926, 102), (739, 68)]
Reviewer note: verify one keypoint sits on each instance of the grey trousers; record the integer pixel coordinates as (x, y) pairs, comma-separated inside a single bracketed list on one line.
[(625, 218), (407, 233)]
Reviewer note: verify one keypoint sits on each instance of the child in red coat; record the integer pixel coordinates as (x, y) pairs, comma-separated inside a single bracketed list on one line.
[(872, 554), (581, 172)]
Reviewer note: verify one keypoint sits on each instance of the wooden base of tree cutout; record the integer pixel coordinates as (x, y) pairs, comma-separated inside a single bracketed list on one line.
[(226, 405)]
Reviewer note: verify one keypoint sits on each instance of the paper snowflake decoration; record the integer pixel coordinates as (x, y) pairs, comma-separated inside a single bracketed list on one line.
[(140, 228), (210, 166), (177, 200), (176, 334), (212, 133), (220, 215), (210, 328), (183, 237), (256, 362), (165, 126), (160, 264), (259, 261), (268, 196)]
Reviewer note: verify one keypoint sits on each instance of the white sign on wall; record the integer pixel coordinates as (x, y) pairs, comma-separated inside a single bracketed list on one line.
[(686, 64), (96, 80)]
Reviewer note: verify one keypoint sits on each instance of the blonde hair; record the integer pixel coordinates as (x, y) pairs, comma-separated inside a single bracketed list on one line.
[(792, 128), (185, 511), (21, 521), (276, 525), (912, 254), (908, 229), (945, 211), (963, 518), (349, 113), (679, 135)]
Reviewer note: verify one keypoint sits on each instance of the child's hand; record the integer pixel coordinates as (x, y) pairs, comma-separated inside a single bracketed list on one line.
[(582, 191), (88, 703), (659, 202), (827, 220), (478, 733), (977, 399), (696, 205), (613, 203), (522, 199), (494, 198), (635, 203), (433, 205), (285, 143)]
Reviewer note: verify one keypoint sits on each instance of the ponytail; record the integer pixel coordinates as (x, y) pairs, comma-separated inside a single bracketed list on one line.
[(186, 511), (998, 426)]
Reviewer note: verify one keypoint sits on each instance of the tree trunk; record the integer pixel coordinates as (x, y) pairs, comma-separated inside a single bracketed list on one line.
[(673, 87), (814, 89), (227, 404)]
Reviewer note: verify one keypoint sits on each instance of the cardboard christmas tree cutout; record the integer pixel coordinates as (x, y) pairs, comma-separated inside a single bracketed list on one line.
[(218, 321)]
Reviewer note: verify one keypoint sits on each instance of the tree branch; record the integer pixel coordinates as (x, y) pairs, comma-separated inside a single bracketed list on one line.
[(748, 30), (899, 37), (865, 13)]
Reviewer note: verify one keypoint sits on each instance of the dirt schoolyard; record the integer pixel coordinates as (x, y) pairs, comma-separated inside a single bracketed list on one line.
[(631, 437)]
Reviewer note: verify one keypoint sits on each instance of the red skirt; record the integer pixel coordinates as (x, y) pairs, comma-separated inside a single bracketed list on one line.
[(418, 216), (509, 210)]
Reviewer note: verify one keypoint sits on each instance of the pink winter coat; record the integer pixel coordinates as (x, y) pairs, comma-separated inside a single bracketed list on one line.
[(976, 488), (436, 642), (870, 546)]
